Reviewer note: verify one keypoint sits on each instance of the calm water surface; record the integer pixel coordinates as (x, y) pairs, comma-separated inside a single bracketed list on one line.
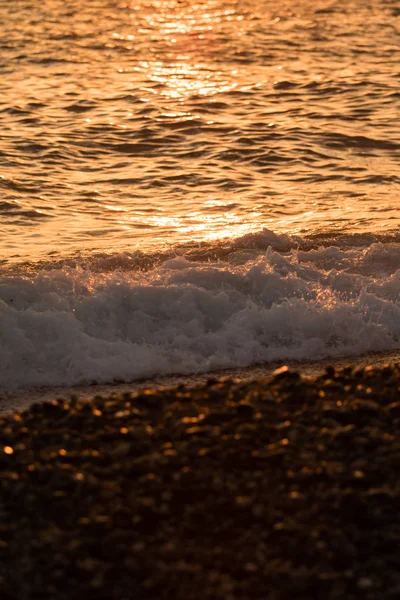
[(137, 124)]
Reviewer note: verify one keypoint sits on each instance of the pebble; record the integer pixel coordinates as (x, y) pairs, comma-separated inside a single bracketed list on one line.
[(280, 489)]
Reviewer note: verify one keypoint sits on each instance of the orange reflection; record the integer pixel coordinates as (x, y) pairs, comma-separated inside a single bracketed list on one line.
[(186, 45), (140, 122), (181, 79)]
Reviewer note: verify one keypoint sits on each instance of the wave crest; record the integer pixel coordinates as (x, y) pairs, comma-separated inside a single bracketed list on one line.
[(76, 325)]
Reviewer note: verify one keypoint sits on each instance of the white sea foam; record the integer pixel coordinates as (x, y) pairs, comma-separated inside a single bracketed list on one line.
[(70, 326)]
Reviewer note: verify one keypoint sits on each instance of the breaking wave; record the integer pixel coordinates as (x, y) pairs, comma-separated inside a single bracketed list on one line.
[(266, 298)]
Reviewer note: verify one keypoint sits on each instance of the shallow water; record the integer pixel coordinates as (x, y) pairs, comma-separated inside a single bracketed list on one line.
[(188, 187), (130, 125)]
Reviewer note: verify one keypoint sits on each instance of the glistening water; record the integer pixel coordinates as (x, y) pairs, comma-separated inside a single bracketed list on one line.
[(196, 185)]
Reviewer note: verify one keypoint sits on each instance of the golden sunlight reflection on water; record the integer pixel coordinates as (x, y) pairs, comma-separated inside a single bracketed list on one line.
[(151, 122)]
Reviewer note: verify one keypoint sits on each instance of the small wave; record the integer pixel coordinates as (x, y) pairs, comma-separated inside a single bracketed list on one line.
[(189, 314), (233, 250)]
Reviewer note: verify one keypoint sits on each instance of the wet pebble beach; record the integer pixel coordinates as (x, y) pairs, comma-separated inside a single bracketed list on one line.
[(280, 489)]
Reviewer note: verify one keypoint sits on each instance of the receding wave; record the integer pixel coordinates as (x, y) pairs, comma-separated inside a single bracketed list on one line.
[(103, 322)]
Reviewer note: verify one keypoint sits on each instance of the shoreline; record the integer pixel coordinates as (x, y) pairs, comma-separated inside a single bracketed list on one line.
[(21, 401), (275, 488)]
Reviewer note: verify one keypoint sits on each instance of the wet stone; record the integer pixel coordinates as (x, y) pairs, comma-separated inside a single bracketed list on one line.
[(245, 410), (217, 418)]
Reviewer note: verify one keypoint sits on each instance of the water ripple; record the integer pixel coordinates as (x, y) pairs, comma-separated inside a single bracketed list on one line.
[(195, 122)]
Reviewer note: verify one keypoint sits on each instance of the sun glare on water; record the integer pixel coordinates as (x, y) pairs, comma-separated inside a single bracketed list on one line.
[(144, 123), (184, 66)]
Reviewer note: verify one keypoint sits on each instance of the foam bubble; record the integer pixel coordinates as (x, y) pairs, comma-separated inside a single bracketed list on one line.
[(68, 326)]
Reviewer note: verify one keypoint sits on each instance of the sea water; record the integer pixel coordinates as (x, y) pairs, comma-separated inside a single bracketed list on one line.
[(192, 186)]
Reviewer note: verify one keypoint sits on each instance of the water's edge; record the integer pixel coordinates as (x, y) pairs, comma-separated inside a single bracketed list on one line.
[(307, 368)]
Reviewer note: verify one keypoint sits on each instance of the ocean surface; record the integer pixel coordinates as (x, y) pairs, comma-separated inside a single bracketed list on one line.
[(194, 186)]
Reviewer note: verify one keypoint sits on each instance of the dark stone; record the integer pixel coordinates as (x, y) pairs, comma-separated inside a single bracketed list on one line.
[(245, 410)]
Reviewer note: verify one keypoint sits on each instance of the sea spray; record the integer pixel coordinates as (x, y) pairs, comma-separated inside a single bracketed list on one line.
[(77, 325)]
